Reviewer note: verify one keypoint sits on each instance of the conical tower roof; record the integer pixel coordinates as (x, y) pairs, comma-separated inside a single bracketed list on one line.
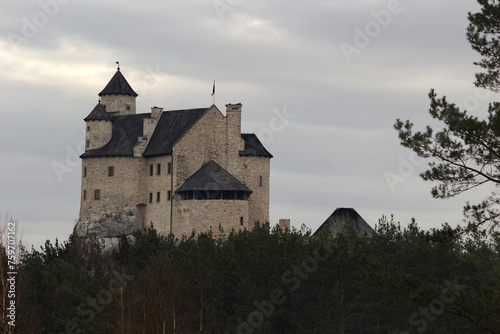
[(98, 114), (342, 217), (212, 177), (118, 85)]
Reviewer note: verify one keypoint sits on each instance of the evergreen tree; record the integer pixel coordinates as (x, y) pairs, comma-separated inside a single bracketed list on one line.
[(465, 154)]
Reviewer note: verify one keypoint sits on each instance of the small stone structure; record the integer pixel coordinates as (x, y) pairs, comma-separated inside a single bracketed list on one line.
[(284, 224), (343, 217), (180, 170)]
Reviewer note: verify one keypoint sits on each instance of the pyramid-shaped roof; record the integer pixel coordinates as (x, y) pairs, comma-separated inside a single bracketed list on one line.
[(212, 177), (98, 114), (118, 85), (342, 217)]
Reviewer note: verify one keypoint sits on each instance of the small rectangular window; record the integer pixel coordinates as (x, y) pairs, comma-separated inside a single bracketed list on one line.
[(127, 107), (260, 181), (84, 171), (88, 144), (111, 171), (169, 168), (157, 196), (150, 170), (241, 221), (158, 169), (97, 195), (84, 194), (169, 195), (88, 128), (150, 197)]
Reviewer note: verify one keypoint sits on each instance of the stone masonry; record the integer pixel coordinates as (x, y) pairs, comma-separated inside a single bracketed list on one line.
[(182, 171)]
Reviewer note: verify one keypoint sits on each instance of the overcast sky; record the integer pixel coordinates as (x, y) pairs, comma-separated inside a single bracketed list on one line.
[(321, 83)]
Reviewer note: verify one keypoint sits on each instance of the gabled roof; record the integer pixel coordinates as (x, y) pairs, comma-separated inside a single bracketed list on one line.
[(253, 146), (118, 85), (212, 177), (172, 125), (126, 131), (98, 114), (342, 217)]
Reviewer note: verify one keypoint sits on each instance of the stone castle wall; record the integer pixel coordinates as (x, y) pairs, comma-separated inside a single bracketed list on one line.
[(158, 209), (97, 134), (250, 172), (119, 194), (129, 199), (206, 215), (124, 104), (203, 142)]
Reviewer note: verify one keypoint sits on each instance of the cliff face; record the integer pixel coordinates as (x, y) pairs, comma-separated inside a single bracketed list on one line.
[(109, 228)]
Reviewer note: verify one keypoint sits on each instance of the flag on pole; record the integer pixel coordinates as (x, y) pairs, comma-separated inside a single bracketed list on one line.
[(213, 89)]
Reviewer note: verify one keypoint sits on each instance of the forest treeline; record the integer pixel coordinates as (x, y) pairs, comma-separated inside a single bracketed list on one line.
[(402, 280)]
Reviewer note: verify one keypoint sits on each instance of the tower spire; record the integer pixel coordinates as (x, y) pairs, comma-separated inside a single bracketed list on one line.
[(118, 64)]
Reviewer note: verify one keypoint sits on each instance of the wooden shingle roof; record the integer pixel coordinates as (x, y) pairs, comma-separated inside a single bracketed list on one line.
[(212, 177), (126, 131), (342, 217), (118, 85), (253, 146), (99, 114), (172, 125)]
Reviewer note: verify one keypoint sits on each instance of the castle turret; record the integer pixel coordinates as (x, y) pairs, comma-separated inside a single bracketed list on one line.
[(99, 128), (118, 96)]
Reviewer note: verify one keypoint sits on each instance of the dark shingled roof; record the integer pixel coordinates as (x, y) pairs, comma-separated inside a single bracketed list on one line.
[(253, 146), (118, 85), (126, 130), (346, 216), (98, 114), (171, 127), (212, 177)]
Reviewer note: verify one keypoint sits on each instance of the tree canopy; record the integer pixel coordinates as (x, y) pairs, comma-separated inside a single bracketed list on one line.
[(465, 152)]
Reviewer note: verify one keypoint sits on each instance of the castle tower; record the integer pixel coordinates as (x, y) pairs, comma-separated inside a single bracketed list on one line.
[(118, 96), (99, 128)]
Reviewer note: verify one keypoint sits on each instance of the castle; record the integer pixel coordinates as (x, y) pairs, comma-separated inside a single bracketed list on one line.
[(179, 170)]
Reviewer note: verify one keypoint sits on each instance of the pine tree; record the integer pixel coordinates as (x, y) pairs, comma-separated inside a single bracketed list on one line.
[(465, 154)]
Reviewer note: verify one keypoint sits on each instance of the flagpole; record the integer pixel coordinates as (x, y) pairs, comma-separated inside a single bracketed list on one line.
[(213, 94)]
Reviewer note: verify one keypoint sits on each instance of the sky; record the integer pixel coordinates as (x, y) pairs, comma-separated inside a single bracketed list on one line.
[(321, 82)]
